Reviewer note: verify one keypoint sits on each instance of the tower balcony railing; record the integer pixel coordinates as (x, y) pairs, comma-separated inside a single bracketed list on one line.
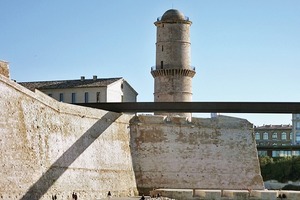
[(153, 68), (190, 71)]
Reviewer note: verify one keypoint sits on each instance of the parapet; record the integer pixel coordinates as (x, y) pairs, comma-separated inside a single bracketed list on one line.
[(160, 119), (224, 121)]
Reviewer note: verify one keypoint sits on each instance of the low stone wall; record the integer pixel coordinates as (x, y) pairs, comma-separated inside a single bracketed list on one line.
[(52, 148), (205, 153), (186, 194)]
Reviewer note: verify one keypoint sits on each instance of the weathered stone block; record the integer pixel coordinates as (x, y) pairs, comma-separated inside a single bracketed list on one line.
[(4, 68), (293, 195), (236, 194), (208, 194), (178, 194), (264, 194)]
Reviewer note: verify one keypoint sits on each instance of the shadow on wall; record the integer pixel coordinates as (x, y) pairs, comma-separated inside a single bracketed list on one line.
[(40, 187)]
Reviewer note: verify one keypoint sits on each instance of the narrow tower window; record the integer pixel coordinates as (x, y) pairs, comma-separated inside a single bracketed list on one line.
[(162, 47), (161, 64)]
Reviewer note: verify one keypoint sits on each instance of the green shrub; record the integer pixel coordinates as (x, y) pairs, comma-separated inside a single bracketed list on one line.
[(291, 187), (282, 169)]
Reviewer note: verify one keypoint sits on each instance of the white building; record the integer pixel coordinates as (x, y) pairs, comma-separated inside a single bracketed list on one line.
[(86, 90)]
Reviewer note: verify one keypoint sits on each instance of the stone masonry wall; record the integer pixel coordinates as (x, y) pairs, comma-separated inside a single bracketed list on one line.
[(51, 148), (4, 68), (217, 153)]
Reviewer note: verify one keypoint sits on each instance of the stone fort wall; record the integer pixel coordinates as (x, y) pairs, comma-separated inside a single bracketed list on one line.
[(51, 148), (209, 153)]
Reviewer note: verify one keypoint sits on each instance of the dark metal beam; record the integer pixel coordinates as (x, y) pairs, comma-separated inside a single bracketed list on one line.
[(199, 107)]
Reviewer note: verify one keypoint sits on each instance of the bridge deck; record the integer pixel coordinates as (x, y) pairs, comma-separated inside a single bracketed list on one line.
[(199, 107)]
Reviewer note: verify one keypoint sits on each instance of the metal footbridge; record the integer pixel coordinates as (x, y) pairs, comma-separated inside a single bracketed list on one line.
[(199, 107)]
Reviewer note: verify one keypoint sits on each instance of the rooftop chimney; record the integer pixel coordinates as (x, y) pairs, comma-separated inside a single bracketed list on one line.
[(82, 78), (94, 78)]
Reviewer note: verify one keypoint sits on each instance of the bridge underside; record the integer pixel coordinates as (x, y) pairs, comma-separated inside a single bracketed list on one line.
[(199, 107)]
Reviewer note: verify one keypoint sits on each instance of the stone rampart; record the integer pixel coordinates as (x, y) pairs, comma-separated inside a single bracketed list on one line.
[(53, 148), (205, 153)]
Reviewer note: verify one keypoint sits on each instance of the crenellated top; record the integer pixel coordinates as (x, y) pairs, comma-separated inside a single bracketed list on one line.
[(173, 72)]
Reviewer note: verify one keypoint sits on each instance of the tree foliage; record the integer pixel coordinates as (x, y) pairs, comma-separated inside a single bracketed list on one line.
[(282, 169)]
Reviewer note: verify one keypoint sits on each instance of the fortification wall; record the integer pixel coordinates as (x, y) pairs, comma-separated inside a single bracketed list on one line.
[(217, 153), (51, 148)]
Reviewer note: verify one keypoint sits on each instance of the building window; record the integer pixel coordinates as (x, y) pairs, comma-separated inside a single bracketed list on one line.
[(122, 98), (274, 136), (291, 136), (262, 153), (257, 136), (73, 97), (296, 153), (161, 64), (86, 97), (297, 137), (98, 97), (298, 116), (265, 136), (162, 47), (283, 136), (61, 97), (298, 125)]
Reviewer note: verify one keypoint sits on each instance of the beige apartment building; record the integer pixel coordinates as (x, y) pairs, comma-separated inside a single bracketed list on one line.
[(279, 135), (86, 90), (275, 135)]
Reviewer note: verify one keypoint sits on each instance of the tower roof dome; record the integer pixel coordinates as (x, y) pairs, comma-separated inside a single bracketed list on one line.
[(173, 15)]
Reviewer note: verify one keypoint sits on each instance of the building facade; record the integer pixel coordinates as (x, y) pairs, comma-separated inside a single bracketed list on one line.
[(84, 90), (275, 136), (296, 128), (172, 72)]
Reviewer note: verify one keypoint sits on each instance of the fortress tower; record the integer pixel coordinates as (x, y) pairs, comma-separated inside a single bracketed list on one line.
[(172, 72)]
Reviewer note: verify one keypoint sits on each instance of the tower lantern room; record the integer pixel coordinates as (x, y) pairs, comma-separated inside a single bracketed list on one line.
[(173, 72)]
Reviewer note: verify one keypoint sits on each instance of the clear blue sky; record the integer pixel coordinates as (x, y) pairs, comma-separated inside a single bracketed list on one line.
[(243, 50)]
